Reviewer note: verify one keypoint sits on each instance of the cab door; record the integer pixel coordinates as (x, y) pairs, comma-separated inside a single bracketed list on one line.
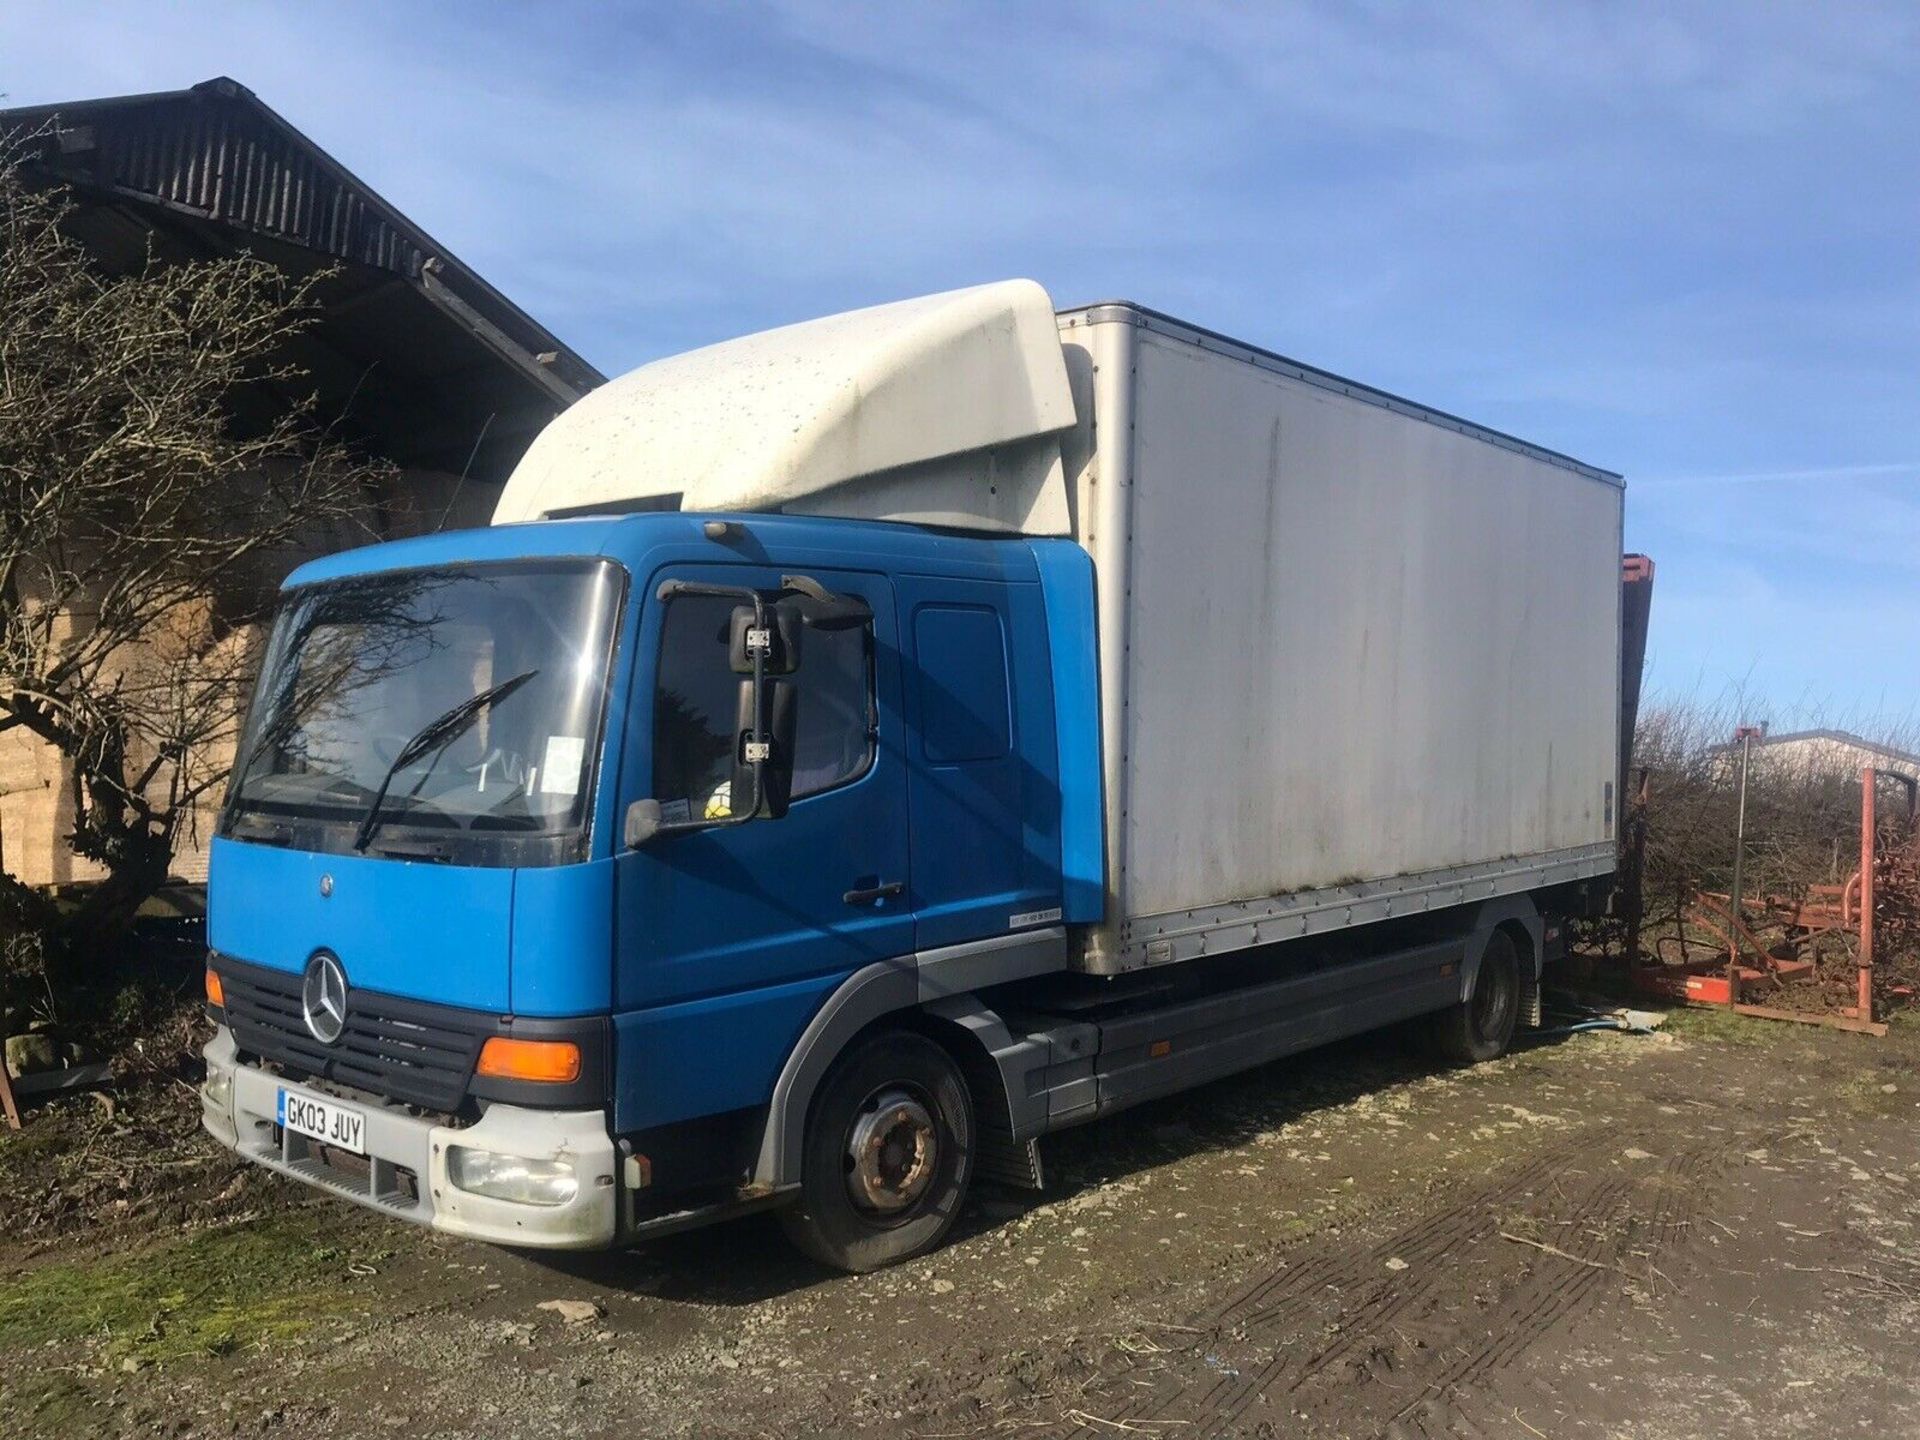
[(982, 783), (727, 939)]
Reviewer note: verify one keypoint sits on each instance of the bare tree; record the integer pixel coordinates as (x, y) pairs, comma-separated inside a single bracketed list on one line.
[(142, 528), (1803, 819)]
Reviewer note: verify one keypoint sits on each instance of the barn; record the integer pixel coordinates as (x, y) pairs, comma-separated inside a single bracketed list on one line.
[(414, 357)]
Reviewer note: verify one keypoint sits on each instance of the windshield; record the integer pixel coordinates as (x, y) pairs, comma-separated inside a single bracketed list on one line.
[(358, 672)]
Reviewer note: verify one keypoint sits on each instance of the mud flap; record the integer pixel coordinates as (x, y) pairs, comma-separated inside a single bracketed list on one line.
[(1006, 1161), (1529, 997)]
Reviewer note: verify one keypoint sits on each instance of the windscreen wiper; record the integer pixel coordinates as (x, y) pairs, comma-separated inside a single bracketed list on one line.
[(441, 730)]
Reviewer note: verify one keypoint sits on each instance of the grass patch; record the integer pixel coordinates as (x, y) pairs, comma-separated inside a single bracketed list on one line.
[(1866, 1095), (1716, 1022), (208, 1294)]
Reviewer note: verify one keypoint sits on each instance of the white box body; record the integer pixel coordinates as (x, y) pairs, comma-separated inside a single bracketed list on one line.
[(1358, 659)]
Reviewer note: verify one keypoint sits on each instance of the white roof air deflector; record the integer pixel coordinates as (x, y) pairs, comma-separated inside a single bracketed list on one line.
[(939, 410)]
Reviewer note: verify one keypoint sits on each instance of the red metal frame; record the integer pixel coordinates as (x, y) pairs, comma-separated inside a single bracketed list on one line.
[(1742, 959), (1869, 848), (1706, 981)]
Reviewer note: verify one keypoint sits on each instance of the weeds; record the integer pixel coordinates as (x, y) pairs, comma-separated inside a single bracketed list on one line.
[(208, 1294)]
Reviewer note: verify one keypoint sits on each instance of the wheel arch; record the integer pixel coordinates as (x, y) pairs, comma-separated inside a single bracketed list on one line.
[(862, 1000), (1517, 917), (878, 997)]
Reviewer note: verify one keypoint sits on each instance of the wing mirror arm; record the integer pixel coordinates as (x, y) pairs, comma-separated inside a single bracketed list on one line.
[(642, 824), (765, 755)]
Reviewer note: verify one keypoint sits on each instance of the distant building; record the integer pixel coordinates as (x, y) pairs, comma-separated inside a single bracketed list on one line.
[(414, 357), (1824, 754)]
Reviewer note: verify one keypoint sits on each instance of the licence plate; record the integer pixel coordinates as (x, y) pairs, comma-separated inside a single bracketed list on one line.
[(323, 1120)]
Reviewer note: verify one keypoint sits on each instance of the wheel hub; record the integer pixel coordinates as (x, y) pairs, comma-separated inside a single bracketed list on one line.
[(892, 1151)]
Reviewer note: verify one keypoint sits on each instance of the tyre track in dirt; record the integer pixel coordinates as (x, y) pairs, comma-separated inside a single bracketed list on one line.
[(1422, 1249), (1296, 1291), (1562, 1287), (1390, 1337)]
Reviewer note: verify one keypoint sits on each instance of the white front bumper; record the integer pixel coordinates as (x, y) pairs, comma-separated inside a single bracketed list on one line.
[(239, 1105)]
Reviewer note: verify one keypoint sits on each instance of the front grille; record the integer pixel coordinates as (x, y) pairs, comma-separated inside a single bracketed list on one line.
[(397, 1048)]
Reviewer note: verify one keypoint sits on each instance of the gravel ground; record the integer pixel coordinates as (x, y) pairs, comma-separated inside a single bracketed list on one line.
[(1704, 1232)]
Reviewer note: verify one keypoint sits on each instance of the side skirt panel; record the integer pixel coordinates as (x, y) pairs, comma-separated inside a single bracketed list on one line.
[(1147, 1056)]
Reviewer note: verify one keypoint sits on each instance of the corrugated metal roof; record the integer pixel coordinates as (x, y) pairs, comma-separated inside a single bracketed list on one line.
[(425, 360), (228, 163), (216, 156), (216, 152)]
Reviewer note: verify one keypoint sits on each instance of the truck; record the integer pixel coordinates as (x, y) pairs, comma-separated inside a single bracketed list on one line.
[(858, 750)]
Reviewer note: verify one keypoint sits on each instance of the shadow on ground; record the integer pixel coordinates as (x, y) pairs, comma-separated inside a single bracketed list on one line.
[(748, 1261)]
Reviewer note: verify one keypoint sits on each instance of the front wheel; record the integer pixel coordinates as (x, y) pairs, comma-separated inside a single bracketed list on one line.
[(887, 1155), (1481, 1026)]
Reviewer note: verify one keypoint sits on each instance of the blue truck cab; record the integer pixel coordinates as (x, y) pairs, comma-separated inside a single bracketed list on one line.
[(859, 750), (534, 1031)]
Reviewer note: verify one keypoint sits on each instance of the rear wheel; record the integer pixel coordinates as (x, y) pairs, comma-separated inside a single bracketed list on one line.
[(1481, 1026), (887, 1155)]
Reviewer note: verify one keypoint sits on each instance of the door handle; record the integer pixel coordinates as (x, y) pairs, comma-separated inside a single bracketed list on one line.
[(875, 892)]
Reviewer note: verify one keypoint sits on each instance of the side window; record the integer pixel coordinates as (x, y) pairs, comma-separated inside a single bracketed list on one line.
[(963, 683), (697, 699), (834, 733), (695, 705)]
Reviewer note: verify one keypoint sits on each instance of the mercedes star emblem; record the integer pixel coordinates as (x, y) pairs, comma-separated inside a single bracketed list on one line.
[(323, 998)]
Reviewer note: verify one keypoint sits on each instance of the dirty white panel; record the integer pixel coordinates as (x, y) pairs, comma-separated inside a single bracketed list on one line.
[(841, 415), (1353, 643)]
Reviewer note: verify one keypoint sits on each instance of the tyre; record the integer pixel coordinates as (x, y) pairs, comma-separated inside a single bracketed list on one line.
[(1481, 1026), (887, 1155)]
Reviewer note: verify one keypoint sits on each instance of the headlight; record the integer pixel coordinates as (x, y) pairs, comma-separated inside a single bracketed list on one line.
[(217, 1087), (509, 1177)]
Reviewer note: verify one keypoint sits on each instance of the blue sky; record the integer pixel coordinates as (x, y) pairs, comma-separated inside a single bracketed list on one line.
[(1679, 241)]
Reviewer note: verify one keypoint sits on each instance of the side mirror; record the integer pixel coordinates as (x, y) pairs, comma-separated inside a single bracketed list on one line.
[(643, 822), (776, 769), (780, 640)]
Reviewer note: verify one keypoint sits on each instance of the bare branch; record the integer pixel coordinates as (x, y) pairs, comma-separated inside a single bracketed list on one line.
[(143, 528)]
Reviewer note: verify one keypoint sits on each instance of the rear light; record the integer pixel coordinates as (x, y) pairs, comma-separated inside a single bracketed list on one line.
[(548, 1062), (216, 994)]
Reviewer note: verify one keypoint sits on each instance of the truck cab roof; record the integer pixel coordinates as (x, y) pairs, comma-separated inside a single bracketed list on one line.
[(643, 541)]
